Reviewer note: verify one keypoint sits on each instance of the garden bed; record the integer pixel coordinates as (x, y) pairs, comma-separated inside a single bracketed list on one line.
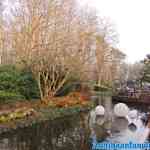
[(27, 114)]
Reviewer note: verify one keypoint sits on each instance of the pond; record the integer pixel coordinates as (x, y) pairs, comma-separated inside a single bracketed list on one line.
[(71, 133), (61, 134)]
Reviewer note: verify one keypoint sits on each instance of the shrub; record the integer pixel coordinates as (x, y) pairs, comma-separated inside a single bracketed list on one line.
[(28, 86), (8, 79), (73, 84), (7, 97), (17, 84)]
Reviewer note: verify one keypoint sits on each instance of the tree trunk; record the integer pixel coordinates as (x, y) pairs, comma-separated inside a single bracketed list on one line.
[(39, 85)]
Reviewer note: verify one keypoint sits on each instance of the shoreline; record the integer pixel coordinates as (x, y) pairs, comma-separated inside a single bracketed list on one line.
[(42, 115)]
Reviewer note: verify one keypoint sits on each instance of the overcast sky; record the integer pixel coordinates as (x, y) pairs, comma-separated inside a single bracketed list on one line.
[(132, 19)]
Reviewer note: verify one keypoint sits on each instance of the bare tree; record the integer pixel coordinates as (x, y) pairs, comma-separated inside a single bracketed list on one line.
[(51, 39), (56, 40)]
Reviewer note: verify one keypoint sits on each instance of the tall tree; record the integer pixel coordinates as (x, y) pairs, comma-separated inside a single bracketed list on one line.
[(57, 40)]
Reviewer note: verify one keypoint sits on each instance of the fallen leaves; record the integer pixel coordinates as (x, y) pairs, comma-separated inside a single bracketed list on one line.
[(71, 100)]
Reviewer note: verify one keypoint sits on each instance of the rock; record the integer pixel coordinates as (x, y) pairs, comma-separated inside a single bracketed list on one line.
[(100, 110), (133, 114), (121, 110)]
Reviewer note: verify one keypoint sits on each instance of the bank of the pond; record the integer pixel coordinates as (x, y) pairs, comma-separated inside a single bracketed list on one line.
[(42, 114)]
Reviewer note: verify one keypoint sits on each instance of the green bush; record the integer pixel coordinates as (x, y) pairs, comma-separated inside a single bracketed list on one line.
[(8, 78), (17, 84), (7, 97), (28, 85), (73, 84)]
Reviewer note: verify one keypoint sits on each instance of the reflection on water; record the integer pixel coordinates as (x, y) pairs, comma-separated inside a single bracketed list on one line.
[(75, 132), (120, 130), (62, 134)]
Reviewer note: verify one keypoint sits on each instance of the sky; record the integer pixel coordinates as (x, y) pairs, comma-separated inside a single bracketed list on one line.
[(132, 21)]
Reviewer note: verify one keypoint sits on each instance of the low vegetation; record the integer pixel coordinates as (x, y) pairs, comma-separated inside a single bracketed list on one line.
[(26, 114), (17, 85)]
